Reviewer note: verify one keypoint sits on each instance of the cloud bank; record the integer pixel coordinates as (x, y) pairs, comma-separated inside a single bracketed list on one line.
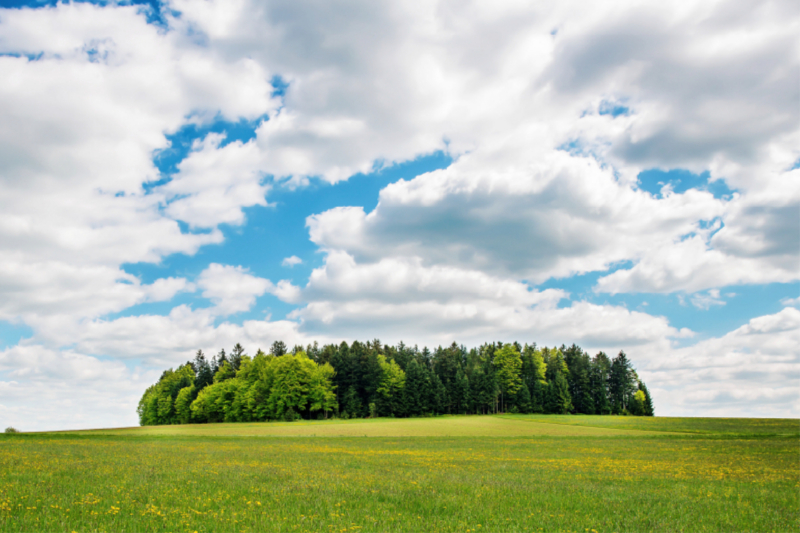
[(549, 112)]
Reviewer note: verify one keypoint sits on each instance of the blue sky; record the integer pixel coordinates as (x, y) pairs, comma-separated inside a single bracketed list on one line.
[(180, 176)]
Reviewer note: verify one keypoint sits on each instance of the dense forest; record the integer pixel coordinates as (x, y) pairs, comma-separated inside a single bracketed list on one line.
[(370, 380)]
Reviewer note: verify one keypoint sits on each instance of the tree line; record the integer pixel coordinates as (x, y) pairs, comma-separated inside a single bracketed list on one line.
[(369, 379)]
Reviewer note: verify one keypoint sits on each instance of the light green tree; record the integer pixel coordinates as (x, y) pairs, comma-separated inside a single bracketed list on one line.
[(508, 362), (390, 389), (183, 405), (225, 371), (157, 405), (637, 406), (322, 394)]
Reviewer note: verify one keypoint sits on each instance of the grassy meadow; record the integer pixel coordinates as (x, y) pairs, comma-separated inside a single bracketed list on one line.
[(489, 473)]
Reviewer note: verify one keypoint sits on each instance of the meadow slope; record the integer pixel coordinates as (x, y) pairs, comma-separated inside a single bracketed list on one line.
[(500, 473), (440, 426)]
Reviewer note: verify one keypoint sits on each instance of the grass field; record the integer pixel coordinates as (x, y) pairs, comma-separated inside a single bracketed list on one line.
[(444, 426), (494, 473)]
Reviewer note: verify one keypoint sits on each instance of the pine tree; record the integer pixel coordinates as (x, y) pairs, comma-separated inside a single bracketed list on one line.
[(599, 383), (371, 374), (203, 372), (561, 396), (219, 361), (578, 378), (314, 353), (537, 392), (619, 383), (236, 356), (488, 389), (415, 402), (648, 401), (278, 348), (461, 399), (438, 400), (521, 400), (446, 363), (350, 403), (550, 403)]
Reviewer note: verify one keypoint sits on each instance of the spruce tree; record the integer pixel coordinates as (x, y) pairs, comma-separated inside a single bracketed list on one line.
[(648, 401), (599, 383), (236, 356), (220, 360), (461, 399), (414, 393), (350, 403), (438, 398), (561, 396), (619, 383), (550, 399), (278, 348), (537, 392), (204, 375), (521, 401)]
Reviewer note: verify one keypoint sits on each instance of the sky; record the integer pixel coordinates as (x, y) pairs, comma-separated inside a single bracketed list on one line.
[(181, 175)]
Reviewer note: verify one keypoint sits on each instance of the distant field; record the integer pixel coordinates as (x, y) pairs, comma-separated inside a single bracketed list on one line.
[(443, 426), (497, 473), (708, 426)]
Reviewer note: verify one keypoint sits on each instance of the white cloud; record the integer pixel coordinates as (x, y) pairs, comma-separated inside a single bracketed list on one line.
[(752, 371), (56, 289), (164, 289), (291, 261), (401, 299), (544, 184), (419, 77), (80, 125), (230, 288), (565, 215), (794, 302), (43, 389), (756, 240), (168, 340), (213, 184), (389, 94), (707, 300), (554, 217)]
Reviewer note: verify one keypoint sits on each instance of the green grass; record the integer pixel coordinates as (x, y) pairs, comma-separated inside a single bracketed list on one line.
[(442, 426), (492, 474), (708, 426)]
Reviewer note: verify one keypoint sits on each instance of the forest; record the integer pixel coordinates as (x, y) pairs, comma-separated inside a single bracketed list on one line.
[(373, 380)]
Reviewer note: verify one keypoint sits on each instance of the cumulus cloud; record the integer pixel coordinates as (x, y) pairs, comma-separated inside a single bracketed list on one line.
[(88, 94), (291, 261), (755, 240), (44, 389), (552, 218), (400, 78), (562, 216), (163, 340), (402, 299), (391, 93), (752, 371), (213, 184), (707, 300), (539, 88), (230, 288), (791, 301), (550, 112), (37, 292)]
